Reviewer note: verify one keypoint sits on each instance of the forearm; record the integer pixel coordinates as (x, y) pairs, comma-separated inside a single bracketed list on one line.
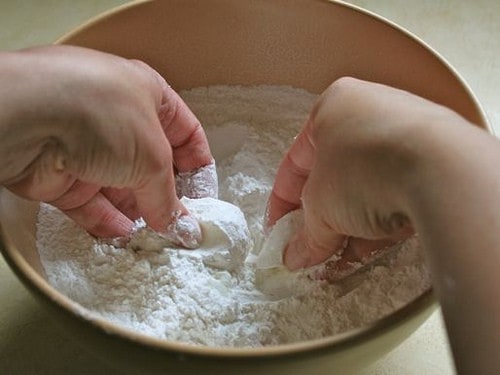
[(455, 208)]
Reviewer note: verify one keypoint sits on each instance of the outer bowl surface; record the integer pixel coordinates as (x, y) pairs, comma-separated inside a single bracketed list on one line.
[(301, 43)]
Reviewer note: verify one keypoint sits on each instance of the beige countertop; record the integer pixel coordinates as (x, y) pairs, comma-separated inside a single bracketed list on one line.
[(466, 33)]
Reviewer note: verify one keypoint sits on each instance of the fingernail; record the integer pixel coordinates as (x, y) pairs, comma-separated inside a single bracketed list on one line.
[(294, 256), (185, 231)]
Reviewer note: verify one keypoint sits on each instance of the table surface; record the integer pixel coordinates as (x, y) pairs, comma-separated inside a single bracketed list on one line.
[(466, 33)]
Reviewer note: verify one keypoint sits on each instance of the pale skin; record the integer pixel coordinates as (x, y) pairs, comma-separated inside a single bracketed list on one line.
[(377, 164), (99, 137)]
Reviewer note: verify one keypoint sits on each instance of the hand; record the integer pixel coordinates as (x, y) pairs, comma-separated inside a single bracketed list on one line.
[(98, 136), (348, 169), (374, 162)]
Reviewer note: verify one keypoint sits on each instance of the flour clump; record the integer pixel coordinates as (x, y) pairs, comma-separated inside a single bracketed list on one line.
[(216, 295)]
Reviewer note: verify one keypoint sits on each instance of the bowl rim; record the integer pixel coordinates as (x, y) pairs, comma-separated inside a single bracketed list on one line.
[(40, 287)]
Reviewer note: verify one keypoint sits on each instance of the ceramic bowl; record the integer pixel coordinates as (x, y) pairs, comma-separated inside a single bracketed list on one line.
[(301, 43)]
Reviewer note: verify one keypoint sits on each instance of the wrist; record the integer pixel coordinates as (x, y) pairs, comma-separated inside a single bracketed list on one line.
[(410, 163), (445, 152)]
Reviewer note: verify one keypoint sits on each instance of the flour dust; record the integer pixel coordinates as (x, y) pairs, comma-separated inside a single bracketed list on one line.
[(209, 296)]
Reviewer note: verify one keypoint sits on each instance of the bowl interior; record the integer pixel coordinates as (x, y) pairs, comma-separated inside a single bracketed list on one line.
[(302, 43)]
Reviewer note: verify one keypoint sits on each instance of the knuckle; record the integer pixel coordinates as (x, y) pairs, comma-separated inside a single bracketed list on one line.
[(139, 63), (331, 107), (156, 170), (343, 83), (338, 88), (155, 158), (168, 111)]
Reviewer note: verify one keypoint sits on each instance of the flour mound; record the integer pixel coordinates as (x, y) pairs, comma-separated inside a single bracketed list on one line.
[(216, 295)]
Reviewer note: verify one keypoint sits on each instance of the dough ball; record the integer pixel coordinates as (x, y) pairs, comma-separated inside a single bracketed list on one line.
[(225, 242), (226, 238)]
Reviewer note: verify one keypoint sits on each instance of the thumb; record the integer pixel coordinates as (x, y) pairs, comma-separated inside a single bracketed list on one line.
[(312, 245)]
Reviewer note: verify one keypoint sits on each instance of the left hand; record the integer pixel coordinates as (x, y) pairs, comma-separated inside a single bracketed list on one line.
[(346, 169)]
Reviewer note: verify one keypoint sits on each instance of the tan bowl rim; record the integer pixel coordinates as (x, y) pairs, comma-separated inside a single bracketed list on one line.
[(37, 284)]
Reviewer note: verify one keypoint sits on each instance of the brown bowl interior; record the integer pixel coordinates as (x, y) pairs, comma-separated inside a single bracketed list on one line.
[(301, 43)]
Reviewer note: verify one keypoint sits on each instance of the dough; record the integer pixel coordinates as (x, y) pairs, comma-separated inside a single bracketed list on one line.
[(226, 238), (271, 254), (271, 276)]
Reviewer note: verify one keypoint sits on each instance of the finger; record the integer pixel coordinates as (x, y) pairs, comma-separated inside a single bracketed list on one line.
[(291, 176), (99, 217), (318, 239), (75, 195), (197, 175), (80, 193), (93, 211), (124, 200), (189, 143), (199, 183), (357, 253), (162, 210), (308, 248), (359, 250), (182, 128), (184, 145)]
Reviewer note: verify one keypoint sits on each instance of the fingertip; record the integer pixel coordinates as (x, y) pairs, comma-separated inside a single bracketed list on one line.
[(201, 182), (176, 224), (160, 215), (121, 226), (157, 201), (184, 230)]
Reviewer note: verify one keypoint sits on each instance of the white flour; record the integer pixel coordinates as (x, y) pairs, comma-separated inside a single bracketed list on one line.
[(208, 296)]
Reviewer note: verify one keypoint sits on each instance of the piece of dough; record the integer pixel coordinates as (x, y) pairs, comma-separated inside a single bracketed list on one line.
[(271, 276), (226, 238), (271, 254)]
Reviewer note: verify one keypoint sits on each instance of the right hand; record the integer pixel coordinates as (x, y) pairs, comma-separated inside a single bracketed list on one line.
[(349, 169), (98, 136)]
